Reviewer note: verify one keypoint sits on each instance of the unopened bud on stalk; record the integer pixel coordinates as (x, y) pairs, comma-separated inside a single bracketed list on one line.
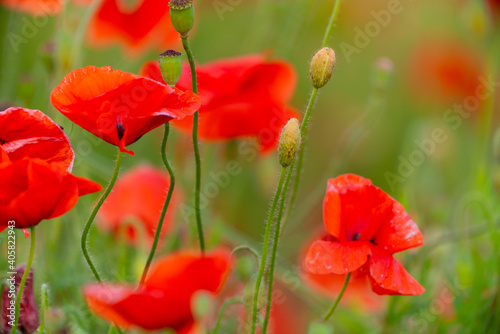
[(182, 15), (289, 142), (171, 66), (321, 68)]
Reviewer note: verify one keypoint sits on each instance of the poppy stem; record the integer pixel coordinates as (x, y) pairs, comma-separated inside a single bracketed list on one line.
[(223, 309), (305, 122), (300, 159), (277, 232), (23, 281), (165, 205), (337, 300), (187, 48), (89, 222), (263, 258)]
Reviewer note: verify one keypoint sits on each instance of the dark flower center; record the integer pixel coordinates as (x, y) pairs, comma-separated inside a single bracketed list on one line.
[(356, 236), (2, 141), (120, 130)]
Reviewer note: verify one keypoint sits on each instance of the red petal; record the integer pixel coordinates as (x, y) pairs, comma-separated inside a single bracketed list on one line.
[(398, 233), (119, 107), (32, 134), (354, 209), (26, 233), (147, 25), (34, 7), (389, 277), (184, 269), (139, 194), (327, 257)]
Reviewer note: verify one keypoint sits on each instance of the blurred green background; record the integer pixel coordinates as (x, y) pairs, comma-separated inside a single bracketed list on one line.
[(365, 121)]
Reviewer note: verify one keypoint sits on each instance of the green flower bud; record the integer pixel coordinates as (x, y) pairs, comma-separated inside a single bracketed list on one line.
[(182, 15), (171, 66), (289, 142), (321, 68)]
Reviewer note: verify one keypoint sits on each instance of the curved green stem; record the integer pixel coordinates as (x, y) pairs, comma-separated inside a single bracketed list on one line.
[(277, 233), (187, 48), (329, 27), (165, 205), (247, 248), (264, 249), (89, 222), (305, 122), (303, 130), (332, 309), (23, 281), (223, 309)]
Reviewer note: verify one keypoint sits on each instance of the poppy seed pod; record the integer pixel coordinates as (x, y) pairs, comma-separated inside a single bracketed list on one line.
[(182, 15), (289, 142), (171, 66), (321, 68)]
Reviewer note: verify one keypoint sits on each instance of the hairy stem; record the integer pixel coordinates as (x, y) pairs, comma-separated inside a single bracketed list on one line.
[(277, 232), (332, 309), (187, 48), (89, 222), (264, 250), (165, 205)]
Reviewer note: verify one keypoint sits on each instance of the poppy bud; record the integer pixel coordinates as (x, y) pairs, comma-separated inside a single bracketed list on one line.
[(28, 317), (289, 142), (182, 15), (321, 68), (171, 66)]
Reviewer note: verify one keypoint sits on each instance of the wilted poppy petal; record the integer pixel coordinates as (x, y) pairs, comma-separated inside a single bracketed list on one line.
[(389, 277), (29, 133), (327, 257), (119, 107)]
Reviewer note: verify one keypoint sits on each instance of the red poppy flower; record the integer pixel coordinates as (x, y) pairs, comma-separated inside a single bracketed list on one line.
[(164, 301), (146, 25), (119, 107), (242, 97), (365, 228), (444, 70), (139, 194), (30, 191), (34, 7), (29, 133), (330, 285)]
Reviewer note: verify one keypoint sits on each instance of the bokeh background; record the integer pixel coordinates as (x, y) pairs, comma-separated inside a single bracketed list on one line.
[(397, 79)]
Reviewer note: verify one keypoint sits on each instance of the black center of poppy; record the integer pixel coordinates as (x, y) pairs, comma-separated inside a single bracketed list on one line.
[(2, 141), (120, 130), (372, 240), (356, 236)]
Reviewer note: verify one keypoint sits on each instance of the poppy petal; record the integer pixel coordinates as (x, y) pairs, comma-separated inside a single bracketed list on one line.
[(327, 257), (354, 209), (389, 277), (400, 232), (119, 107), (31, 133)]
